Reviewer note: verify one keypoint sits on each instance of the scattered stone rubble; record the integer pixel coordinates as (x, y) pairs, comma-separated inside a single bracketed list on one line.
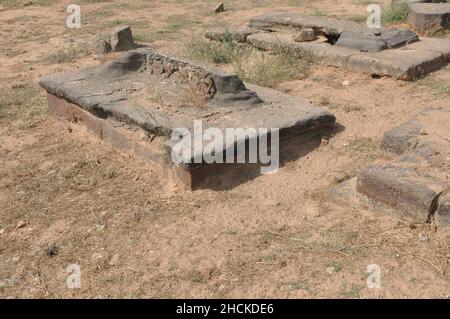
[(381, 52), (416, 183), (136, 102)]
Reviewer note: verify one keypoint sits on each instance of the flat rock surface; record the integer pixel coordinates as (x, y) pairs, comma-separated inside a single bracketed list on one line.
[(159, 93), (428, 16)]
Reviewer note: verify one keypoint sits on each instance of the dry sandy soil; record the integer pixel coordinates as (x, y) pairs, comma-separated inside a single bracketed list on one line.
[(66, 198)]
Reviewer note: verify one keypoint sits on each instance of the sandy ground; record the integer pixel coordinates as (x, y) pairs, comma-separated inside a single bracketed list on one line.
[(66, 198)]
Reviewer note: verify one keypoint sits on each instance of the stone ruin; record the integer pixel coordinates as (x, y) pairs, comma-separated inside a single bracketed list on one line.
[(345, 44), (136, 102), (417, 182)]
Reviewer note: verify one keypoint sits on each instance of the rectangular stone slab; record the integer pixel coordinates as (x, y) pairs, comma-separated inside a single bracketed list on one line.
[(407, 63), (429, 16), (123, 91)]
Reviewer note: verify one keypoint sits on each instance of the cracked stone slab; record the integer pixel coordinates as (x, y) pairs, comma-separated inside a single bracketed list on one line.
[(430, 16), (156, 93), (408, 63), (402, 187), (443, 212)]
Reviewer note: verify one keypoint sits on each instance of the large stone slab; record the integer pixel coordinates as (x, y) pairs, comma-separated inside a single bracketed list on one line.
[(430, 16), (156, 94), (408, 63), (401, 187)]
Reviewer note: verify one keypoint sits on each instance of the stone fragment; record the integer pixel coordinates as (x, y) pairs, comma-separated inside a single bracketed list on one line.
[(430, 16), (219, 8), (401, 187), (361, 42), (102, 47), (305, 35), (397, 38), (443, 212), (122, 39), (401, 139)]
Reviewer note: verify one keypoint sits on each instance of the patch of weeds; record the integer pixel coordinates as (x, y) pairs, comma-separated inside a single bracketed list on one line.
[(352, 292), (324, 101), (218, 52), (176, 22), (269, 68), (318, 13), (445, 89), (69, 54), (17, 3), (300, 284), (145, 37), (395, 14), (93, 1)]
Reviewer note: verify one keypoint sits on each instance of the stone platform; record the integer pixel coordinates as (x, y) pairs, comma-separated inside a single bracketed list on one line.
[(381, 52), (135, 103)]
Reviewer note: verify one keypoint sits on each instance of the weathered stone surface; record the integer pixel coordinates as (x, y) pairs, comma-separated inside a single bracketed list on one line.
[(430, 16), (443, 212), (401, 139), (401, 187), (305, 35), (124, 91), (102, 47), (122, 39), (361, 42), (219, 8)]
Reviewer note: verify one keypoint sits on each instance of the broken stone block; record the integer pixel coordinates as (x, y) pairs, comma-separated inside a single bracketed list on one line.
[(430, 16), (401, 139), (305, 35), (122, 39), (102, 47), (443, 212), (397, 38), (401, 187), (219, 8)]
